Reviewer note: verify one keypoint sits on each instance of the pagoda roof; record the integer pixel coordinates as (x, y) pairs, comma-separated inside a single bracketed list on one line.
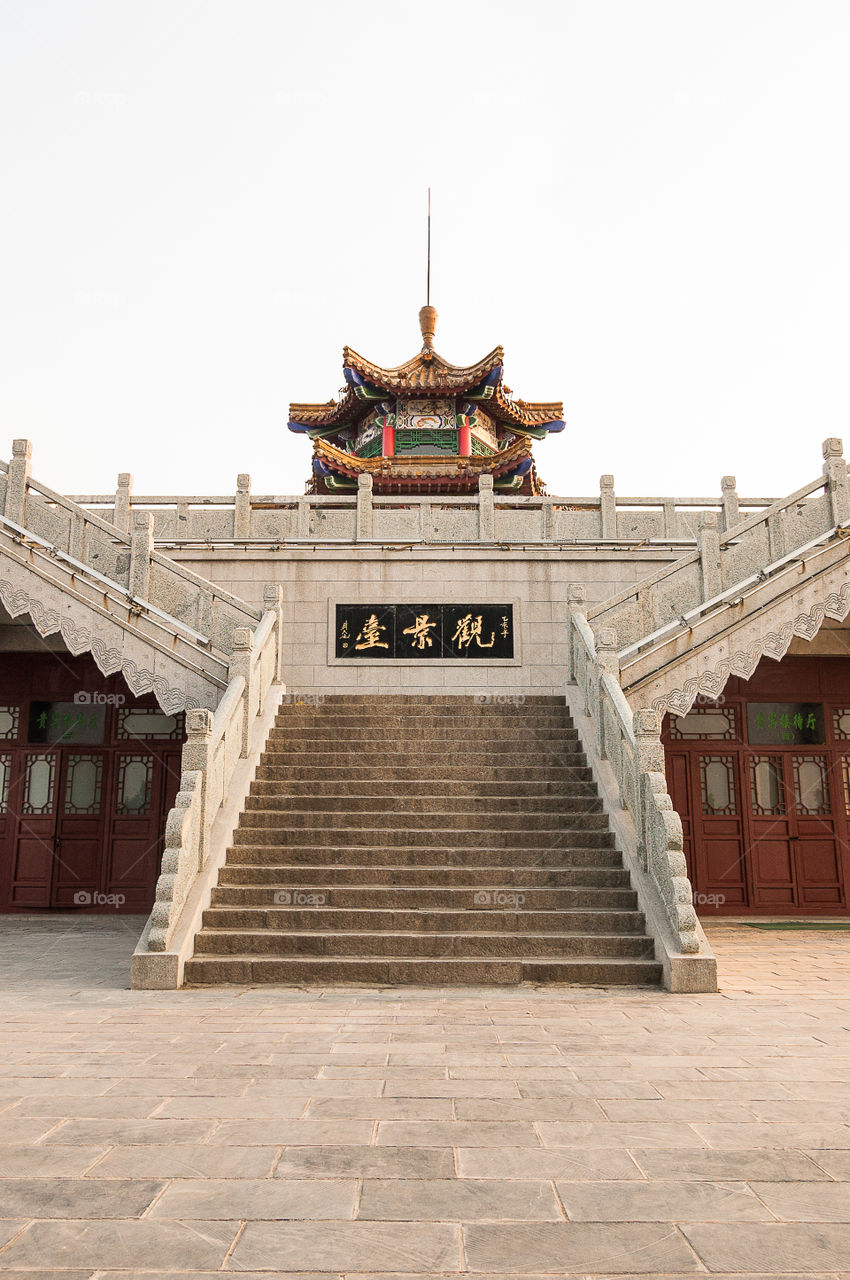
[(412, 471), (426, 372)]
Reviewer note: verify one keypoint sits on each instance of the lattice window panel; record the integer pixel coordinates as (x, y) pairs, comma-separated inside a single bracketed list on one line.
[(717, 783), (767, 790), (150, 722), (135, 783), (719, 724), (9, 721), (442, 441), (841, 723), (811, 785), (5, 779), (83, 784), (39, 778)]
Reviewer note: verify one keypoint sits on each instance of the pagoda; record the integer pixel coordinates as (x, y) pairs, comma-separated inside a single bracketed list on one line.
[(427, 426)]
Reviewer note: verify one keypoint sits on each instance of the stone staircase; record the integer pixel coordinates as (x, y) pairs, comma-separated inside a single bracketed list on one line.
[(423, 840)]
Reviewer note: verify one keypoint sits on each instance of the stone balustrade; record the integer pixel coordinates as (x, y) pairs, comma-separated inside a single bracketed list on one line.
[(727, 559), (365, 517), (629, 744)]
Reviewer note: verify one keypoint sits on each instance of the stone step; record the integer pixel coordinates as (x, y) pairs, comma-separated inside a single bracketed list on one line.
[(435, 837), (587, 971), (406, 752), (461, 738), (426, 700), (379, 788), (432, 920), (263, 826), (498, 898), (575, 858), (473, 718), (286, 874), (490, 807), (287, 942), (463, 774)]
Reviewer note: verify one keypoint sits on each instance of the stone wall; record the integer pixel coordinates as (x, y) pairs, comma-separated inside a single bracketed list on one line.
[(535, 580)]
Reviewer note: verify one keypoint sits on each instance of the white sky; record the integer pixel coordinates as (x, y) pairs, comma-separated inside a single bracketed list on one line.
[(646, 203)]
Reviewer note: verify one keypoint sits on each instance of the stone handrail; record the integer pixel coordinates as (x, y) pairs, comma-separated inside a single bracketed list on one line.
[(123, 558), (363, 516), (215, 744), (631, 744), (725, 558)]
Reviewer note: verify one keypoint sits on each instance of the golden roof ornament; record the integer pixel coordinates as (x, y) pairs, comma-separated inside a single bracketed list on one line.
[(428, 325)]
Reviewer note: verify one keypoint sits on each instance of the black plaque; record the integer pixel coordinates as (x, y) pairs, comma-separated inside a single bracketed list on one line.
[(419, 632), (791, 723), (66, 722)]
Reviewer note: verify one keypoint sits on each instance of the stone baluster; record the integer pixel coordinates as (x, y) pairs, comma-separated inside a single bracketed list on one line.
[(123, 499), (708, 544), (304, 517), (424, 520), (607, 507), (835, 470), (242, 507), (17, 480), (670, 519), (486, 509), (141, 549), (608, 663), (196, 758), (547, 519), (731, 514), (576, 603), (649, 758), (364, 507), (242, 664), (273, 599)]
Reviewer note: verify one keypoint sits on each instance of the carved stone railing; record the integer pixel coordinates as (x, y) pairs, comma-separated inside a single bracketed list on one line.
[(725, 559), (216, 744), (631, 745), (117, 586), (363, 516)]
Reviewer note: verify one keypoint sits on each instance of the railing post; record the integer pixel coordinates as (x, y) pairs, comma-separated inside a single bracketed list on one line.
[(607, 663), (576, 603), (607, 507), (486, 509), (242, 507), (670, 519), (123, 498), (708, 542), (196, 758), (364, 507), (835, 470), (303, 517), (547, 519), (17, 480), (424, 520), (273, 599), (729, 490), (241, 664), (650, 751), (141, 548)]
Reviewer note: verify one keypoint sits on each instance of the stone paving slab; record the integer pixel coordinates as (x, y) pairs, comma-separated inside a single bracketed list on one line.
[(378, 1134)]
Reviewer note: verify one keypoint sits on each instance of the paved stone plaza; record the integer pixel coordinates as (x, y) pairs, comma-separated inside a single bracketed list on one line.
[(422, 1131)]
